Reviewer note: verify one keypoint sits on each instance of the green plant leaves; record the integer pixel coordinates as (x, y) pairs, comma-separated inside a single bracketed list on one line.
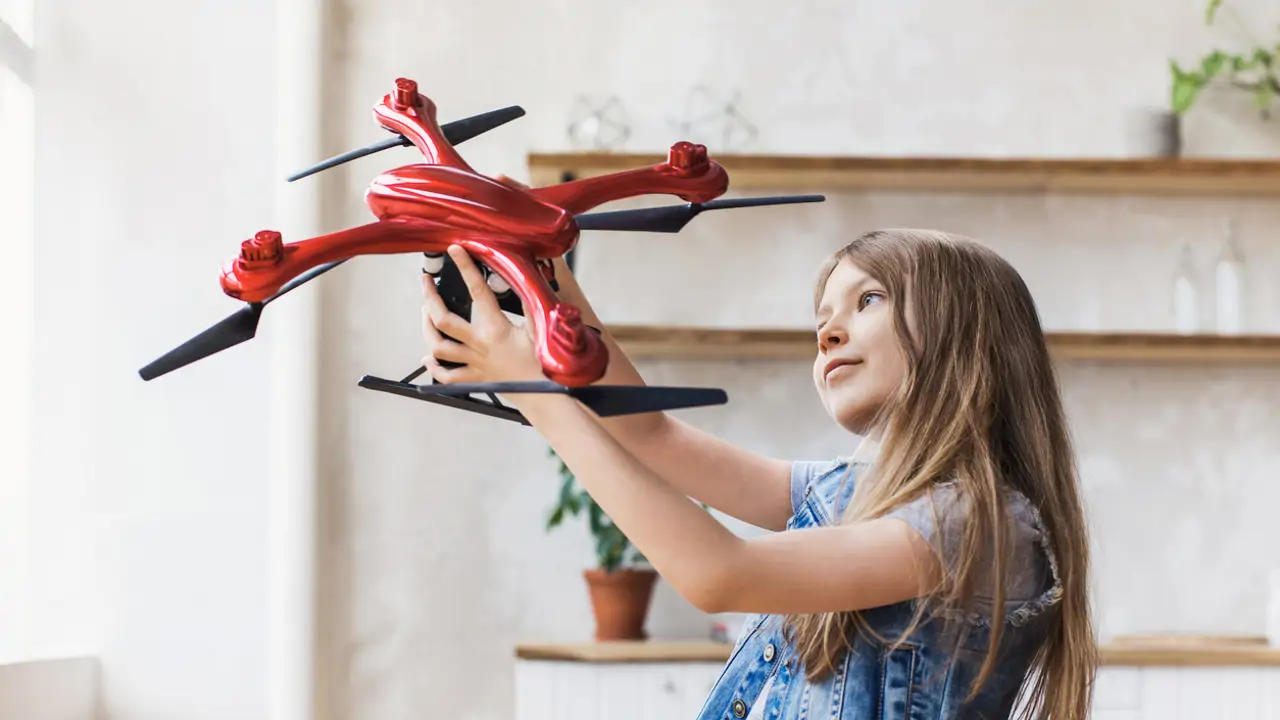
[(1254, 72), (611, 545), (613, 548), (1263, 97), (1211, 64), (570, 500), (1211, 11), (1186, 86)]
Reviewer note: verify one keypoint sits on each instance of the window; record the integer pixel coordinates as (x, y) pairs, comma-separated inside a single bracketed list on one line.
[(19, 19), (17, 307)]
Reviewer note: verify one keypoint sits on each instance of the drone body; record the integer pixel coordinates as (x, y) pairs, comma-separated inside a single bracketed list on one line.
[(513, 232)]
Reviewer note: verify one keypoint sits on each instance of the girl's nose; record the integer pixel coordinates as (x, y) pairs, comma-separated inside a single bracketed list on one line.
[(831, 337)]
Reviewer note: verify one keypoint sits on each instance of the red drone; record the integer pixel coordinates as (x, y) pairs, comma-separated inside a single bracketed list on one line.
[(513, 233)]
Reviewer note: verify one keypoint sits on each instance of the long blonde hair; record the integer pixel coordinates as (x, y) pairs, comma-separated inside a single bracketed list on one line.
[(980, 406)]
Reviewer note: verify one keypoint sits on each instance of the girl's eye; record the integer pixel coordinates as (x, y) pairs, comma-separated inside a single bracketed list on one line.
[(867, 297)]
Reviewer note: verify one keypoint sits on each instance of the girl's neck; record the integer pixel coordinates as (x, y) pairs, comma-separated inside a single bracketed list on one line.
[(868, 449)]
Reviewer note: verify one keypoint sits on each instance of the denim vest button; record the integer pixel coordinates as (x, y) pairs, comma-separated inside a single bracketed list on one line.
[(768, 652), (739, 708)]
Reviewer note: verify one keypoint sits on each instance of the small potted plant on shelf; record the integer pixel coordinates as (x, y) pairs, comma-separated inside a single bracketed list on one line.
[(621, 584), (1255, 71)]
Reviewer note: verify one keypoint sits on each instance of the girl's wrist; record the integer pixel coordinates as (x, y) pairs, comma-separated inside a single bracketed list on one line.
[(570, 292)]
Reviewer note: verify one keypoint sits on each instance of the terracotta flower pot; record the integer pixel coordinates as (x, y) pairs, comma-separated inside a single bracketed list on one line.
[(620, 600)]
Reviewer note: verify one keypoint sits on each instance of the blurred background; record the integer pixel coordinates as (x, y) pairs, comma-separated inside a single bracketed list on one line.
[(255, 536)]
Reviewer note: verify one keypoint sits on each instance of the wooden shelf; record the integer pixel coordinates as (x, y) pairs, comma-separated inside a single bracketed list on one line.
[(1158, 655), (627, 651), (691, 343), (1151, 176)]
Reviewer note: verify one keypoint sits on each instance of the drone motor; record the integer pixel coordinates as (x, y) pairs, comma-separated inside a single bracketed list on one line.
[(499, 286), (432, 263)]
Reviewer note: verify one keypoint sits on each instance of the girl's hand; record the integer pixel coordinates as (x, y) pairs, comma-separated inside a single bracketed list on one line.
[(490, 347)]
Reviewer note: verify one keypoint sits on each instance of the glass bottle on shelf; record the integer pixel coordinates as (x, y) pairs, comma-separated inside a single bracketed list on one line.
[(1186, 320), (1273, 607), (1229, 285)]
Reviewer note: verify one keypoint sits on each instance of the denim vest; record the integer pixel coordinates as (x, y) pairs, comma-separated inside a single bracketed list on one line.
[(925, 677)]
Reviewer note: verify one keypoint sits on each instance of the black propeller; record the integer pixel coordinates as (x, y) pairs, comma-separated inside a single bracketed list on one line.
[(603, 400), (242, 325), (673, 218), (236, 328), (455, 132)]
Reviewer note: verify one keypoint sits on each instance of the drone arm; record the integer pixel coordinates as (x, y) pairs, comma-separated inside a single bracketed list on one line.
[(265, 263), (413, 115), (687, 174), (569, 352)]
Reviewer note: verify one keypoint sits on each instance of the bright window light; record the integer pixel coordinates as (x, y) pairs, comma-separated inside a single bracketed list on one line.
[(17, 178), (20, 16)]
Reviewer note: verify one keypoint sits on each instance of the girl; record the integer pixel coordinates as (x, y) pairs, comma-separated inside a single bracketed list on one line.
[(941, 571)]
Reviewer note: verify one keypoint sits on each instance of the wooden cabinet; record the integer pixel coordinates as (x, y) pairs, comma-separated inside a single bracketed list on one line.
[(670, 681)]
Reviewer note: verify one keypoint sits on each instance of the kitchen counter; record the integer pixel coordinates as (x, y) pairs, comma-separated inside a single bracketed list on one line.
[(1153, 653), (1140, 678)]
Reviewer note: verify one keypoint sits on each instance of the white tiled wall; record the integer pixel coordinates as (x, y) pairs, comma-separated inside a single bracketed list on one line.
[(561, 690)]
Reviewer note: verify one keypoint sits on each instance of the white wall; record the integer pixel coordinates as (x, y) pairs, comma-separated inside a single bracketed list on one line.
[(437, 558), (155, 158)]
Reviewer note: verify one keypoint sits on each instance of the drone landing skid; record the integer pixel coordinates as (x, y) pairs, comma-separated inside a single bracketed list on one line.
[(491, 407), (603, 400)]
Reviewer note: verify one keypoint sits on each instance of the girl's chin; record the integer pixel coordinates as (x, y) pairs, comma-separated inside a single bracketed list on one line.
[(856, 418)]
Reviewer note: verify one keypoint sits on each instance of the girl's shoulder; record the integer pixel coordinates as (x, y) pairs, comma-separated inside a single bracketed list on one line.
[(942, 512), (832, 480), (833, 477), (1030, 567), (940, 516)]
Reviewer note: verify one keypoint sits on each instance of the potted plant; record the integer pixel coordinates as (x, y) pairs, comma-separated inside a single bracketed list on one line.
[(1254, 71), (621, 583)]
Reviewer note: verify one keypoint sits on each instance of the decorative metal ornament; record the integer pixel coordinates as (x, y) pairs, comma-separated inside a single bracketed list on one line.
[(596, 123), (713, 120)]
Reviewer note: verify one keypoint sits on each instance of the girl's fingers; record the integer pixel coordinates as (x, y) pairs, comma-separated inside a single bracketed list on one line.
[(429, 289), (453, 326), (451, 351), (450, 376), (429, 332), (441, 348), (440, 318), (437, 336), (484, 304)]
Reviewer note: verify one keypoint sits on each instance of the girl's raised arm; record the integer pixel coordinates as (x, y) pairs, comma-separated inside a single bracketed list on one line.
[(823, 569), (826, 569)]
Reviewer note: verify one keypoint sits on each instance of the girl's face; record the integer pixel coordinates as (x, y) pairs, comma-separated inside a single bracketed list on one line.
[(860, 363)]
